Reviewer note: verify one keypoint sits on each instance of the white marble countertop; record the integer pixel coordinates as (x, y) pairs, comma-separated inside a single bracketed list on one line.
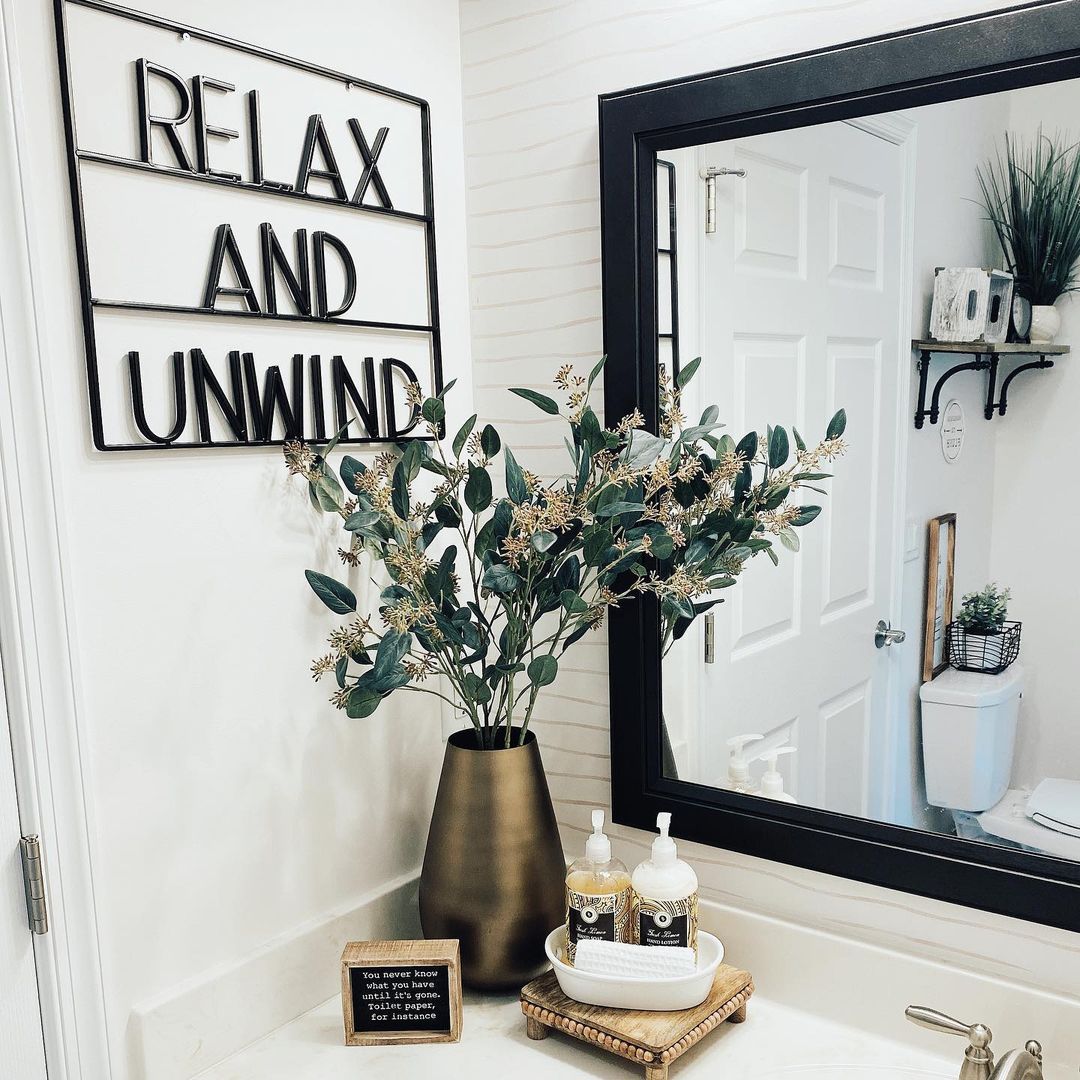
[(494, 1044)]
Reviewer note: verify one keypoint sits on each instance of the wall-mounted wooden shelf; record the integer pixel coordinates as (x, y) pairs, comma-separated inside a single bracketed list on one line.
[(986, 357)]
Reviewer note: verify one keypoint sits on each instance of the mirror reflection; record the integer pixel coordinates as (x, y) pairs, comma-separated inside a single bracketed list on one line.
[(913, 269)]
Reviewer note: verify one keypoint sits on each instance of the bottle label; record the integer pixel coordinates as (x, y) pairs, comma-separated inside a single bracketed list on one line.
[(604, 917), (666, 922)]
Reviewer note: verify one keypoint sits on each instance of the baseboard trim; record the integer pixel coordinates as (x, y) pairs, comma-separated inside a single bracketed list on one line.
[(201, 1021)]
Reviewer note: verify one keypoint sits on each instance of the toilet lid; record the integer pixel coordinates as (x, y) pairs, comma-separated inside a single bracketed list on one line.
[(1055, 804)]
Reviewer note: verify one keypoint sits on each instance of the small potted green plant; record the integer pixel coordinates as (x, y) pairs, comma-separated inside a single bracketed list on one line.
[(1031, 193), (980, 638)]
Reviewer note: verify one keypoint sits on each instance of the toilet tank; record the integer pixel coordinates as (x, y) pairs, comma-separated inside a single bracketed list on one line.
[(968, 736)]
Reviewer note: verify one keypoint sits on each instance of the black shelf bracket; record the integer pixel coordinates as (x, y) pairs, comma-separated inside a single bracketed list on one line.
[(997, 400), (934, 412), (1003, 402)]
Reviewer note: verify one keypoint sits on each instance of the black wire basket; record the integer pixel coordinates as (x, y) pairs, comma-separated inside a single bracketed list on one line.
[(988, 653)]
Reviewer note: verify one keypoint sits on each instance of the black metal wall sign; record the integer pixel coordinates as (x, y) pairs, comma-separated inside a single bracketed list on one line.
[(255, 238)]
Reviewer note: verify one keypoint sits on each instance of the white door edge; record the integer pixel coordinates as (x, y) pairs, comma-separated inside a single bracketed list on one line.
[(902, 131), (39, 659)]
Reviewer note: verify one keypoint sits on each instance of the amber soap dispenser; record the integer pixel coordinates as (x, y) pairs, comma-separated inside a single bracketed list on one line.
[(597, 893)]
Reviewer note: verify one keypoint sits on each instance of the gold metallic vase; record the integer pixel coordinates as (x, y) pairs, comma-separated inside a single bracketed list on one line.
[(493, 872)]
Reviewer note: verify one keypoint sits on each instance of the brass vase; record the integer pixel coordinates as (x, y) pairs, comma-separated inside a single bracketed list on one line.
[(493, 872)]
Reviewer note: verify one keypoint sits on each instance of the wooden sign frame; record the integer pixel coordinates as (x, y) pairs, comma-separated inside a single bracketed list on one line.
[(936, 570), (399, 956)]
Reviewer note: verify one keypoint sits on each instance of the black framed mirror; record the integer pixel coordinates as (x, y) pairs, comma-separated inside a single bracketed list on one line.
[(829, 146)]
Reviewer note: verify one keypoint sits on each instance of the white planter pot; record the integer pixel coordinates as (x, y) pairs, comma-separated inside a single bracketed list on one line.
[(1045, 323)]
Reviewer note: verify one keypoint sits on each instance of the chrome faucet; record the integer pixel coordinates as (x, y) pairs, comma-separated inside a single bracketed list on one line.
[(1023, 1064), (978, 1063)]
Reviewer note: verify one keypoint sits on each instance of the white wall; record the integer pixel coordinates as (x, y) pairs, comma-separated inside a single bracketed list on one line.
[(1035, 519), (532, 71), (229, 805), (953, 138)]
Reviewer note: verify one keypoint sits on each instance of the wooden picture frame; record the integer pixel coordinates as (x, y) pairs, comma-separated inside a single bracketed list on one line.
[(940, 579), (400, 992)]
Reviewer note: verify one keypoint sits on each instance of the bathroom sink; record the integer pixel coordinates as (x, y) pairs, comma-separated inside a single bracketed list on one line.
[(852, 1072)]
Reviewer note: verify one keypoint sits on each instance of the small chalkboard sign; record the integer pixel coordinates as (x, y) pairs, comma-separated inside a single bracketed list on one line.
[(401, 992)]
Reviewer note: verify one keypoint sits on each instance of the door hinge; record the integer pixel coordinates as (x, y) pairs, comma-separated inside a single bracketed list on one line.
[(709, 175), (710, 639), (37, 912)]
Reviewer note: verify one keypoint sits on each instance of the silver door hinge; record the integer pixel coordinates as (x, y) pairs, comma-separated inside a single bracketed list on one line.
[(710, 639), (709, 175), (37, 911)]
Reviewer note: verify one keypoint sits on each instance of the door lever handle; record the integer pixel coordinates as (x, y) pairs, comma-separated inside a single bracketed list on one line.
[(884, 635)]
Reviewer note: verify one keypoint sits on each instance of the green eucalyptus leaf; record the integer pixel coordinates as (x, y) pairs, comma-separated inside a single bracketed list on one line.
[(837, 425), (620, 506), (591, 432), (542, 540), (350, 468), (779, 448), (790, 539), (577, 635), (747, 447), (516, 487), (362, 520), (541, 401), (500, 579), (643, 448), (433, 410), (362, 702), (490, 442), (800, 442), (412, 457), (572, 602), (772, 555), (392, 648), (662, 546), (688, 372), (477, 489), (339, 598), (806, 515), (597, 541), (462, 437), (595, 371), (543, 670), (399, 494), (340, 669), (448, 514), (446, 389)]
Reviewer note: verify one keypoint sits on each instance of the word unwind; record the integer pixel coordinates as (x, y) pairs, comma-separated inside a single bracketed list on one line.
[(259, 407), (316, 159)]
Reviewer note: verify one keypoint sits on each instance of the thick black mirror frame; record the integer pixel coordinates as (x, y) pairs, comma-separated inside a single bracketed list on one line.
[(1023, 46)]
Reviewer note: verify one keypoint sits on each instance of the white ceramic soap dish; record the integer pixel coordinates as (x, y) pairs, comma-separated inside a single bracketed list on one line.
[(650, 995)]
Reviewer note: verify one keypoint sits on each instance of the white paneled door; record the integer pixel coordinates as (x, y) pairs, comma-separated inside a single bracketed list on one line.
[(802, 312), (21, 1047)]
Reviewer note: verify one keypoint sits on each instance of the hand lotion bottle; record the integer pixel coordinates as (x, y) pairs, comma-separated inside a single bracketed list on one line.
[(597, 893), (665, 895)]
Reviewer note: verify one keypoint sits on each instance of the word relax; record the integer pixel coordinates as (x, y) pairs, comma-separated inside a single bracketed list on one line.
[(316, 144), (250, 408)]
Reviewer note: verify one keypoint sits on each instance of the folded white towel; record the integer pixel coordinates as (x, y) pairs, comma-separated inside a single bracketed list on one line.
[(633, 961)]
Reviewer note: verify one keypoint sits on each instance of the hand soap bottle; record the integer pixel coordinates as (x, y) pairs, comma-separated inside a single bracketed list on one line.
[(597, 893), (772, 782), (738, 777), (665, 895)]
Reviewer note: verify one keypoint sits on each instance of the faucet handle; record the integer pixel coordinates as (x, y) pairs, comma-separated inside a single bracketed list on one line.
[(978, 1058), (1034, 1049)]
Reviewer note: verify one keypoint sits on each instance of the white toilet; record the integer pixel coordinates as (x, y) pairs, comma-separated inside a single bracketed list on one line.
[(969, 725)]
